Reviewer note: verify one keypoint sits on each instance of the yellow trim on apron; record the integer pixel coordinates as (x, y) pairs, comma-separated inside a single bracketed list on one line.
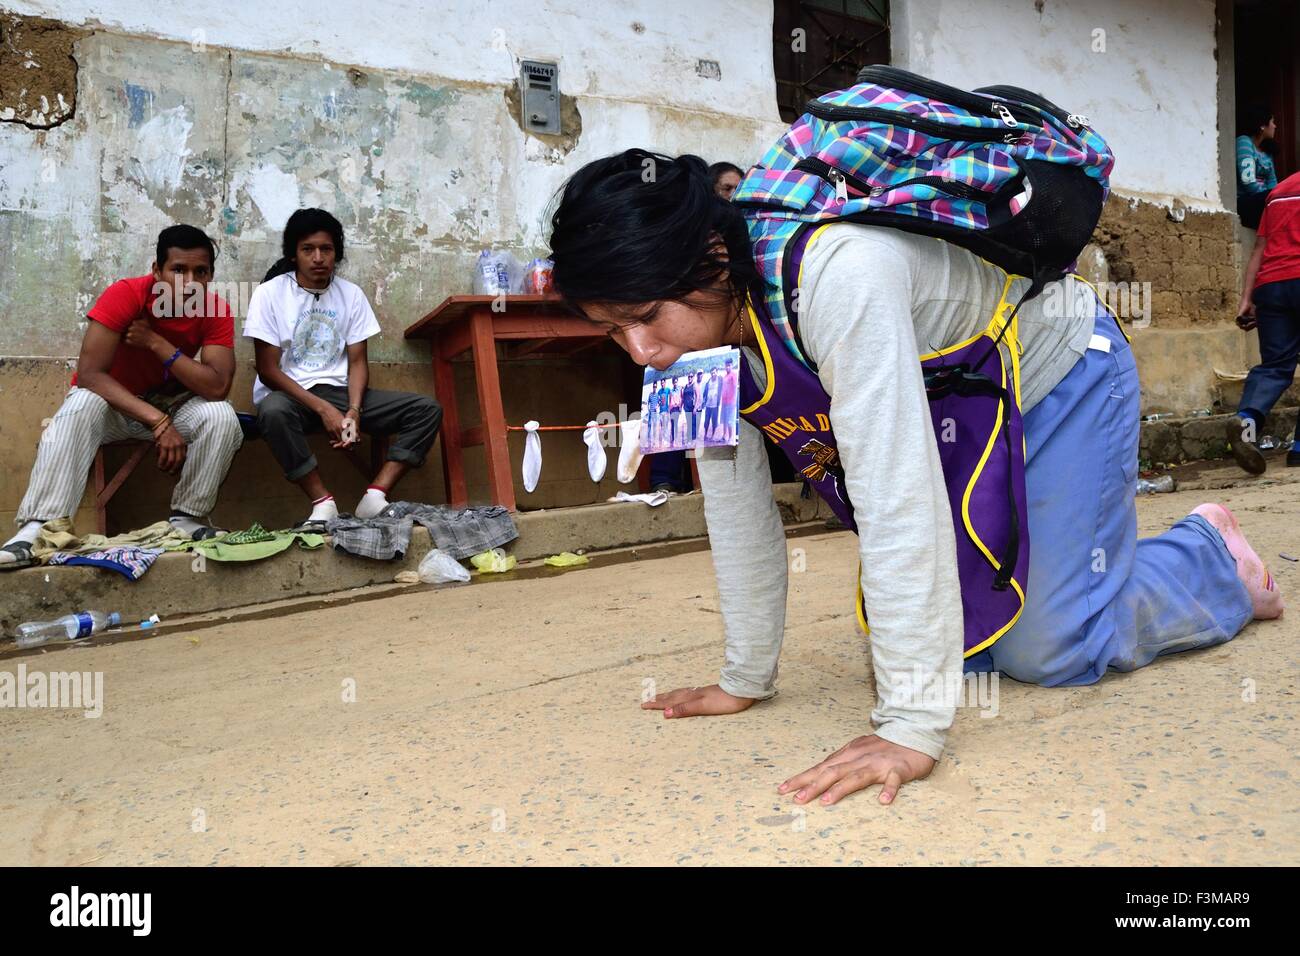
[(767, 360), (991, 331), (758, 329)]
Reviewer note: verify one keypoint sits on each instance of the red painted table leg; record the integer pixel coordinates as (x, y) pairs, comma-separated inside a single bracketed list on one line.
[(453, 461), (495, 448)]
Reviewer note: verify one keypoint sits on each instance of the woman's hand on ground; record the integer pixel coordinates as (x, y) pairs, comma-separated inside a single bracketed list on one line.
[(857, 765), (711, 701)]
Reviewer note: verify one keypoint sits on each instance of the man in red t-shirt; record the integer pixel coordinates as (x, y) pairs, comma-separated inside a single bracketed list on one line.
[(137, 377), (1270, 302)]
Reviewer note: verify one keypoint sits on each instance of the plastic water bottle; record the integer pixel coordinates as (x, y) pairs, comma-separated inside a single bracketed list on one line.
[(70, 627), (1153, 486)]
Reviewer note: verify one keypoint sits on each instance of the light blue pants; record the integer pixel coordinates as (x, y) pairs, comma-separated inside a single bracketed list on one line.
[(1098, 598)]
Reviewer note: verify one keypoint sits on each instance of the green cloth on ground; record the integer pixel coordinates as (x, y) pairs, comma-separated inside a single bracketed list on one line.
[(58, 535), (252, 544)]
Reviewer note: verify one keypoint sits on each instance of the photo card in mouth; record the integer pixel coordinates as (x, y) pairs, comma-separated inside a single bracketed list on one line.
[(694, 403)]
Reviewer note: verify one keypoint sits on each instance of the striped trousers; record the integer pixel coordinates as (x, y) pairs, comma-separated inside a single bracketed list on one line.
[(85, 421)]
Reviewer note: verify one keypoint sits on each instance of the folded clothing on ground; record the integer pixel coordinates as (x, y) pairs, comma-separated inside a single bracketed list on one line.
[(58, 536), (129, 562), (462, 532), (252, 544), (381, 537)]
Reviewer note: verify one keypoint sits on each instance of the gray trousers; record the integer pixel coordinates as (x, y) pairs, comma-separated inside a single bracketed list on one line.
[(410, 421), (85, 421)]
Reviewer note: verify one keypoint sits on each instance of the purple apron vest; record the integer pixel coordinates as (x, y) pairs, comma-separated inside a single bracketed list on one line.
[(982, 453)]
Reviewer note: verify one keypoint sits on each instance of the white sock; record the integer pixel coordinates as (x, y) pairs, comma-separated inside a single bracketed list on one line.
[(532, 467), (629, 452), (27, 534), (597, 460), (372, 502), (323, 509), (187, 523)]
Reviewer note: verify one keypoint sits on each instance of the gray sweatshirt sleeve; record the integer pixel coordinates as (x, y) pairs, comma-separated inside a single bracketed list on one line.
[(856, 322), (748, 544)]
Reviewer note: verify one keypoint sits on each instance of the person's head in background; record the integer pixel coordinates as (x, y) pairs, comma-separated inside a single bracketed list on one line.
[(184, 260), (726, 177), (644, 248), (1256, 121), (311, 249)]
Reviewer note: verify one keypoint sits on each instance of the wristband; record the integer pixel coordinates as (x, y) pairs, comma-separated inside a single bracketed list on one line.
[(357, 407), (167, 365), (162, 425)]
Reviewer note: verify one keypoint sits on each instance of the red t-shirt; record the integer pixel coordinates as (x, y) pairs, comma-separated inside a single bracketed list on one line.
[(126, 300), (1280, 228)]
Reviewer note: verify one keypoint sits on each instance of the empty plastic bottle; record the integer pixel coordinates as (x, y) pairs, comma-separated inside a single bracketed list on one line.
[(1151, 486), (70, 627)]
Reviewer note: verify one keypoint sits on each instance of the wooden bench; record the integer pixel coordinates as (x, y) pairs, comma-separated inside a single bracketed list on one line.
[(106, 489)]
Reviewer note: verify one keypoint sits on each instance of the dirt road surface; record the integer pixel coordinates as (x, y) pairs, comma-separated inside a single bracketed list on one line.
[(498, 723)]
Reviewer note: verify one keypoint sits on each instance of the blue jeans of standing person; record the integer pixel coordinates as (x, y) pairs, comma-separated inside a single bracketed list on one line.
[(1097, 597), (669, 468), (1277, 314)]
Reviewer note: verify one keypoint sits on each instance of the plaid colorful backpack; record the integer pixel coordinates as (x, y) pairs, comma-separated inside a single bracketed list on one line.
[(1000, 171)]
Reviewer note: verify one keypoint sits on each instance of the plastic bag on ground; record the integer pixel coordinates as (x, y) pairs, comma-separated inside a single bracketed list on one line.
[(566, 559), (495, 561), (439, 567)]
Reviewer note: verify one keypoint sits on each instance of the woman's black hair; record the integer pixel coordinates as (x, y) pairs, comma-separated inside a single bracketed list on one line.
[(642, 227), (1252, 118), (301, 224)]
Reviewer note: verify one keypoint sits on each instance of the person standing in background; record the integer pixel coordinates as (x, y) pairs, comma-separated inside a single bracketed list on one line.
[(726, 177), (1270, 303), (1255, 172)]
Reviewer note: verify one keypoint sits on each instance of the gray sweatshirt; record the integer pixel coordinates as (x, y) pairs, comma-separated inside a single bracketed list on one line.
[(871, 301)]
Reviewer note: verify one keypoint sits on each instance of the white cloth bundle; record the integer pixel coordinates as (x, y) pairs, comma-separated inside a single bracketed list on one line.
[(629, 453), (597, 460), (532, 456)]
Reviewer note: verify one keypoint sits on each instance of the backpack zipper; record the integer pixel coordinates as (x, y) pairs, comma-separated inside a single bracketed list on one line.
[(843, 182), (957, 131), (892, 76), (1073, 120)]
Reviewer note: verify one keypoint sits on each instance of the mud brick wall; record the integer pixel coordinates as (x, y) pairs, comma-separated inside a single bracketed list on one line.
[(1189, 258)]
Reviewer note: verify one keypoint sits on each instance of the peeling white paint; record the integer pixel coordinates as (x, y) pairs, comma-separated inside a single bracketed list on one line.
[(162, 148), (272, 190)]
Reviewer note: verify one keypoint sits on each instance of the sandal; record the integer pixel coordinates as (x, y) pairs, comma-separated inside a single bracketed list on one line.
[(22, 552)]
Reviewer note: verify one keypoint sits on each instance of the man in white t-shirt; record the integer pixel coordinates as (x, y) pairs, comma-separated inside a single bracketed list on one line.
[(309, 329)]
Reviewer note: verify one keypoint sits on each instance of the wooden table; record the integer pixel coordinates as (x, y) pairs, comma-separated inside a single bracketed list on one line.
[(530, 326)]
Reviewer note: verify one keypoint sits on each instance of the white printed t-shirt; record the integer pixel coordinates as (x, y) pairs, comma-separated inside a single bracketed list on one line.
[(313, 331)]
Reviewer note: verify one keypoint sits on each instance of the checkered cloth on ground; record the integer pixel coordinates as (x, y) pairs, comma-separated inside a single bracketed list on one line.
[(461, 533)]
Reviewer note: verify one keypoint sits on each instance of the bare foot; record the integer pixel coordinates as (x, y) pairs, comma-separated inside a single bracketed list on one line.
[(1264, 593)]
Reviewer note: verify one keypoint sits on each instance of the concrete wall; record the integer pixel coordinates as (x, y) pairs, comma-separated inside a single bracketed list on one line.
[(1142, 70), (402, 120), (1146, 73)]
